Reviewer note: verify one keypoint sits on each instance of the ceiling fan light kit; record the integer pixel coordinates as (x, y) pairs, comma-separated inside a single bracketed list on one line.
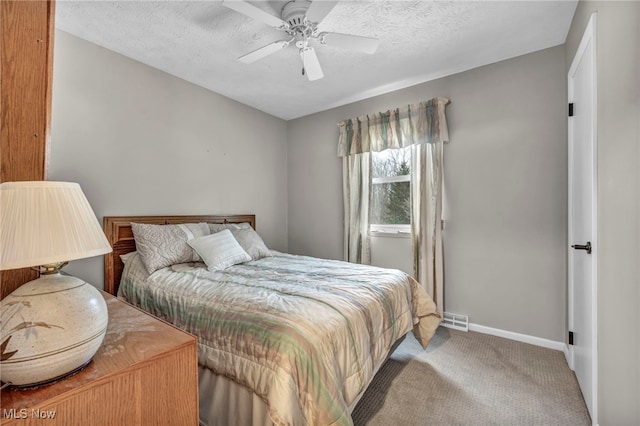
[(300, 20)]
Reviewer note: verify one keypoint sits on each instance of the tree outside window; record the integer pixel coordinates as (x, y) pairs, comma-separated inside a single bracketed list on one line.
[(391, 191)]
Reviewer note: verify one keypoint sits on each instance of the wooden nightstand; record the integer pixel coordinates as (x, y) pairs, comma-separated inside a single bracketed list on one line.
[(145, 373)]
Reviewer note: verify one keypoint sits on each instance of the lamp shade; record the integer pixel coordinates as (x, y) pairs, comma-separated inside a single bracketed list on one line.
[(43, 223)]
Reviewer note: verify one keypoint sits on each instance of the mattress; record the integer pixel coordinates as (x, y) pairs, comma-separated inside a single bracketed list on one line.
[(305, 335)]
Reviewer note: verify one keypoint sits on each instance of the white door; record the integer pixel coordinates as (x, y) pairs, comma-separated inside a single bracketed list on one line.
[(583, 245)]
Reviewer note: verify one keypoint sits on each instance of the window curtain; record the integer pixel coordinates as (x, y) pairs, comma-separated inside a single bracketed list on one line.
[(422, 126), (426, 219), (357, 195)]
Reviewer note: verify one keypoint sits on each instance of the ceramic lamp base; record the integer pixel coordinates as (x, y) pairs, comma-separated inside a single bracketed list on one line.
[(51, 327)]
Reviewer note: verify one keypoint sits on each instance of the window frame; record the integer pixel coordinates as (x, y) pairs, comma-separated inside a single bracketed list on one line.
[(391, 179), (399, 231), (390, 230)]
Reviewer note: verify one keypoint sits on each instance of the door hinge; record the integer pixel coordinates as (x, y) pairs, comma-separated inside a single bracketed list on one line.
[(571, 109), (571, 337)]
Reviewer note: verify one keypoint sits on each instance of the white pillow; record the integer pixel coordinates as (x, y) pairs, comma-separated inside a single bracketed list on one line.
[(125, 257), (219, 250)]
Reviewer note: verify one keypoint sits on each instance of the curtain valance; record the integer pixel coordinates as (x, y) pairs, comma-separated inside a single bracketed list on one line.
[(424, 122)]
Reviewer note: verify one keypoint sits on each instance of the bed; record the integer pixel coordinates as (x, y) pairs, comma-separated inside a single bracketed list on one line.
[(282, 339)]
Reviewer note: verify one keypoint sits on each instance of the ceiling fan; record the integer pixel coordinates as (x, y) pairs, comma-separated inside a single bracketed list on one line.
[(299, 20)]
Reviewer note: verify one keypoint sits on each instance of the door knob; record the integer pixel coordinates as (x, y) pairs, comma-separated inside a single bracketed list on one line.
[(586, 247)]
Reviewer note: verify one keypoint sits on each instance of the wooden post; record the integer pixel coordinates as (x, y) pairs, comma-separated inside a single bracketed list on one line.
[(26, 76)]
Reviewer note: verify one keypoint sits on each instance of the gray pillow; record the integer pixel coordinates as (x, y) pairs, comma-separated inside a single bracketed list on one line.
[(217, 227), (251, 242), (160, 246)]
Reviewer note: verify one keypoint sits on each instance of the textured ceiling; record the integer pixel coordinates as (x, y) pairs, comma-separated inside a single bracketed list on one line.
[(419, 41)]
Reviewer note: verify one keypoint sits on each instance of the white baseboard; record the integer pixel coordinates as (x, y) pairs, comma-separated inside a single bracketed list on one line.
[(532, 340), (565, 349)]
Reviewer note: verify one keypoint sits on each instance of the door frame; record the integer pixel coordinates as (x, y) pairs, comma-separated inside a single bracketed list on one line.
[(589, 40)]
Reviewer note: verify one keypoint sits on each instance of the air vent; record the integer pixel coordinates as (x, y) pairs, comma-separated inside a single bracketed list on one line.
[(459, 322)]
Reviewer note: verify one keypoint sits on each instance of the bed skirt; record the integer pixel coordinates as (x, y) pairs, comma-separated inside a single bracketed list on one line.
[(224, 402)]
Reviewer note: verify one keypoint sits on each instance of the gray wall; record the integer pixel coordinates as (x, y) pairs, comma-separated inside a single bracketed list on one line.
[(505, 183), (392, 251), (618, 55), (141, 142)]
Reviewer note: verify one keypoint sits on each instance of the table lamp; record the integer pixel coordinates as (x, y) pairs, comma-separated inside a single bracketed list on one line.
[(51, 326)]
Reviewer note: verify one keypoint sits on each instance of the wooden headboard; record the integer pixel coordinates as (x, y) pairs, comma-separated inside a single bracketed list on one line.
[(120, 236)]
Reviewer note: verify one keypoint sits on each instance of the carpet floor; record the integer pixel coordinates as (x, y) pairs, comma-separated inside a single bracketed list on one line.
[(472, 379)]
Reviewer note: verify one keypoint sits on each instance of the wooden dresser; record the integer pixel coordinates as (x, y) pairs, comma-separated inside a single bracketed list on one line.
[(145, 373)]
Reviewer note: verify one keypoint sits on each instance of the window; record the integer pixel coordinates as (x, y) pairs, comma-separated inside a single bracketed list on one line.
[(391, 192)]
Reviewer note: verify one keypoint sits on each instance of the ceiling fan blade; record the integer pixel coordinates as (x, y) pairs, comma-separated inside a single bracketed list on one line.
[(263, 51), (255, 13), (348, 41), (311, 64), (319, 9)]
